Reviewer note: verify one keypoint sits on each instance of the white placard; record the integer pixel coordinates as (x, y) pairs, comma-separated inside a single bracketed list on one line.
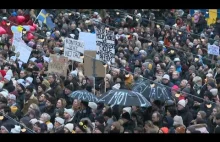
[(73, 48), (105, 43), (89, 40), (24, 52), (213, 49)]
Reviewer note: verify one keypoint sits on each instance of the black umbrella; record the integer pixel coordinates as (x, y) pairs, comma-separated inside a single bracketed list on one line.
[(152, 91), (124, 98), (84, 96)]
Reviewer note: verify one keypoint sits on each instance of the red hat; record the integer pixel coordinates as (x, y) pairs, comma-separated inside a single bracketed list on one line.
[(165, 130), (175, 88)]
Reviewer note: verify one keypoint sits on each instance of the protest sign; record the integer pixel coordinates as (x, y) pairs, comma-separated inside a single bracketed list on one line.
[(105, 43), (89, 40), (213, 49), (73, 48), (58, 65), (23, 51), (16, 39), (88, 65)]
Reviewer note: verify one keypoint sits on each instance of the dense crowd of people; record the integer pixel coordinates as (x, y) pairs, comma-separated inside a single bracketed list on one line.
[(166, 46)]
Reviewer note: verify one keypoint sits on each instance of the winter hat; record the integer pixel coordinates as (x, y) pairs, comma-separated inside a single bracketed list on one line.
[(33, 59), (209, 75), (7, 126), (69, 126), (165, 130), (33, 121), (92, 105), (12, 97), (197, 79), (100, 119), (16, 129), (181, 129), (59, 120), (29, 79), (127, 109), (30, 88), (214, 91), (166, 76), (70, 87), (192, 67), (4, 93), (69, 111), (177, 120), (126, 115), (190, 44), (21, 81), (108, 76), (182, 103), (116, 86), (13, 58), (40, 66), (8, 77), (208, 94), (74, 73), (56, 50), (186, 90), (177, 60), (46, 83), (101, 128), (212, 84), (175, 88)]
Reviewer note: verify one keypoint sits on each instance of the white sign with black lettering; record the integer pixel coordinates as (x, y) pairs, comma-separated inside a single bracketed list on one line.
[(73, 48), (213, 49)]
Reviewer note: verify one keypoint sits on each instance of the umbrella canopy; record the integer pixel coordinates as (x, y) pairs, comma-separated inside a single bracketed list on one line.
[(152, 91), (84, 95), (124, 98)]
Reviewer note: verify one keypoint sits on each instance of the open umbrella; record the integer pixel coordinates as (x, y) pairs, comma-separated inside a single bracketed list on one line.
[(124, 98), (152, 91), (84, 96)]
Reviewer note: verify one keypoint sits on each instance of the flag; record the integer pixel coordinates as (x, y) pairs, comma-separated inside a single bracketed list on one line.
[(44, 17)]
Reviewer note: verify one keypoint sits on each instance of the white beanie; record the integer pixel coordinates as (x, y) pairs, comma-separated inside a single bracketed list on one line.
[(59, 120), (69, 126), (74, 73), (4, 93), (33, 59), (166, 76), (127, 109), (69, 111), (9, 72), (92, 105), (33, 121), (8, 77), (214, 91), (116, 86), (182, 103), (177, 120), (29, 79), (16, 129)]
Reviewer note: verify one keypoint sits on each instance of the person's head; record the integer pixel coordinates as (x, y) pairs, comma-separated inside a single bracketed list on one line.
[(69, 89), (175, 75), (51, 101), (58, 122), (172, 69), (51, 78), (201, 114), (156, 117), (164, 130), (195, 42), (40, 127), (183, 83), (171, 111), (156, 59), (7, 78), (99, 129), (177, 45), (41, 88), (115, 127), (137, 72), (68, 113), (45, 117), (211, 85), (75, 105), (181, 104), (33, 106), (180, 130), (61, 103), (42, 98), (29, 90), (99, 120), (165, 79), (68, 128), (11, 99)]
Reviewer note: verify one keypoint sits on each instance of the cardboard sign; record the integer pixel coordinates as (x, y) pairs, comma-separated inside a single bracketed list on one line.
[(213, 49)]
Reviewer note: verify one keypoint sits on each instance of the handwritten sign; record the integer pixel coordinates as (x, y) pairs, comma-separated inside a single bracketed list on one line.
[(213, 49), (17, 39), (124, 98), (23, 51), (89, 40), (73, 48), (58, 65), (84, 95), (105, 43), (158, 92)]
